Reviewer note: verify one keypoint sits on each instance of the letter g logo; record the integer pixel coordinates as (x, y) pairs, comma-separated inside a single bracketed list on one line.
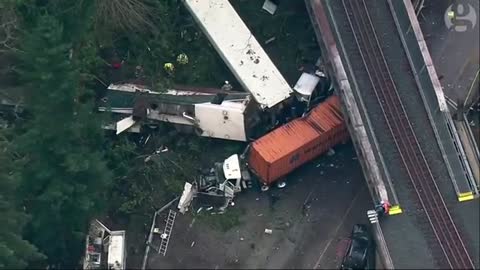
[(460, 17)]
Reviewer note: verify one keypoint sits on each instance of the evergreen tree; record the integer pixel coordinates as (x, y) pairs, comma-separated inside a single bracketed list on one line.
[(63, 175), (15, 252)]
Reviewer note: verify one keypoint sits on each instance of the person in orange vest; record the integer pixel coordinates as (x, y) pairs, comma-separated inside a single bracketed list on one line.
[(383, 208)]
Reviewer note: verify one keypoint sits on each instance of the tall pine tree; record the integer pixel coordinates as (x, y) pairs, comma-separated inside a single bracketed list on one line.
[(63, 175), (15, 252)]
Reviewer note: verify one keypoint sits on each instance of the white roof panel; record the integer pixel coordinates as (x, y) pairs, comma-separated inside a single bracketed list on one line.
[(116, 250), (240, 50)]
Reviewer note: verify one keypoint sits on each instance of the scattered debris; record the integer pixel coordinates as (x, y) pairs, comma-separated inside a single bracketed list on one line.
[(199, 210), (241, 239), (268, 231), (270, 6), (146, 140), (330, 152), (186, 198), (162, 149), (191, 223), (193, 243), (270, 40)]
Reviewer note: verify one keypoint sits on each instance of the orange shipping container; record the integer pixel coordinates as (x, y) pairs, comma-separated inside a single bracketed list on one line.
[(286, 148)]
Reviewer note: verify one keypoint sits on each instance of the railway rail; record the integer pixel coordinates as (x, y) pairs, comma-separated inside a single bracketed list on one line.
[(453, 251)]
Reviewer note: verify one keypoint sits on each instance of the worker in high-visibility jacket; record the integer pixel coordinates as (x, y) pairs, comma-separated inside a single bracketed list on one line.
[(169, 68), (182, 59), (451, 15)]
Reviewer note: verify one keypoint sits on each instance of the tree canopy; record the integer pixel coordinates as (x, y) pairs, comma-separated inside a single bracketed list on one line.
[(15, 251), (58, 170), (63, 175)]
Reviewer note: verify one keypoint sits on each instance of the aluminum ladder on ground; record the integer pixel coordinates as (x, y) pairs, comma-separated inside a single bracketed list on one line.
[(166, 233)]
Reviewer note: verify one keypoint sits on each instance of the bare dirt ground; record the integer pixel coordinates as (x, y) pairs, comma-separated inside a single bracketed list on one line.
[(336, 197)]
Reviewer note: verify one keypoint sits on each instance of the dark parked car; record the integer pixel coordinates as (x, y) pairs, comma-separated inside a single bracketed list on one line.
[(360, 245)]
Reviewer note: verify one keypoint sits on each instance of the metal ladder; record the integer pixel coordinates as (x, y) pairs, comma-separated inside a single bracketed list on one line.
[(166, 233)]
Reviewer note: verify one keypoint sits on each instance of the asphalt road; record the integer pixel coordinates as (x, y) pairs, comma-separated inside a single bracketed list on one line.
[(336, 197), (455, 54)]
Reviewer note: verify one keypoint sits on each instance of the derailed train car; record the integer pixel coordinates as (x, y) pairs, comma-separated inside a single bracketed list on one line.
[(286, 148), (273, 156)]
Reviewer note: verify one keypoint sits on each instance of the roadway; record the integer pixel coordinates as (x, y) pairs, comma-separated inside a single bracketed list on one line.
[(454, 53), (434, 231)]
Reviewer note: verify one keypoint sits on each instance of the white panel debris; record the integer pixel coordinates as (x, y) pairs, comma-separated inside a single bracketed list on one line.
[(269, 6), (231, 168), (306, 84), (186, 198), (124, 124), (223, 122)]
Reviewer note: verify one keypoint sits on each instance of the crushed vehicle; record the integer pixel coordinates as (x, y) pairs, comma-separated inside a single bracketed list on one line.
[(359, 249)]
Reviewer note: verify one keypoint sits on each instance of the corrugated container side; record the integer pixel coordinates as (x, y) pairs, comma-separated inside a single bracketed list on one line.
[(258, 164), (309, 151), (288, 147)]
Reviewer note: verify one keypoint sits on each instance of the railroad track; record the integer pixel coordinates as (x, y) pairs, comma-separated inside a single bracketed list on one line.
[(453, 252)]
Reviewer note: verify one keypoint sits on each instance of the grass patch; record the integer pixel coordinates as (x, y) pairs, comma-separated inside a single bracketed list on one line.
[(224, 222)]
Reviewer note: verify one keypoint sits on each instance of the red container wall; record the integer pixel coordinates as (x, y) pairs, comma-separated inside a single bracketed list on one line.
[(297, 142)]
